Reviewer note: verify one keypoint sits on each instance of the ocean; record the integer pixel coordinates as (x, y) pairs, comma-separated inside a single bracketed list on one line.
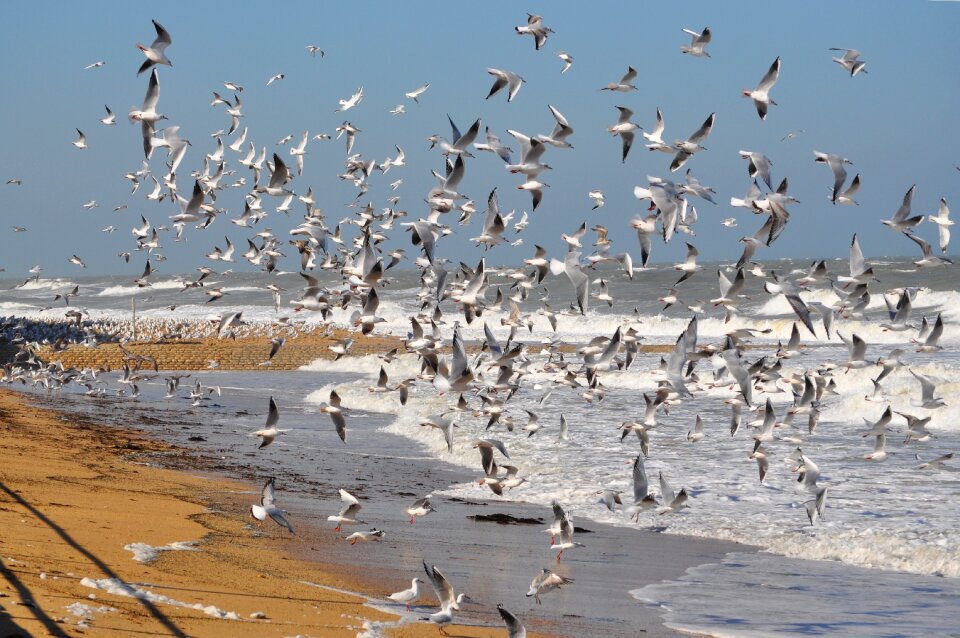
[(889, 531)]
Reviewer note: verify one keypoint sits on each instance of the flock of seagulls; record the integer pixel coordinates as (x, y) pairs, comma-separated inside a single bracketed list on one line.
[(483, 385)]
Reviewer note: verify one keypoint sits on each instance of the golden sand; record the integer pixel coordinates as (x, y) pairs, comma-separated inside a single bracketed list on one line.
[(73, 494)]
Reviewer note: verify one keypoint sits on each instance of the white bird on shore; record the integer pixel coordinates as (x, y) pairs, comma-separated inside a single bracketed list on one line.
[(566, 537), (546, 581), (420, 507), (268, 507), (449, 600), (407, 596), (348, 511), (369, 535)]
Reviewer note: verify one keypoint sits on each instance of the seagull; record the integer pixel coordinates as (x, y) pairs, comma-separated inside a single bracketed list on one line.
[(271, 431), (156, 52), (625, 129), (758, 164), (846, 197), (943, 222), (313, 50), (95, 65), (929, 259), (697, 43), (494, 145), (567, 61), (932, 341), (515, 628), (505, 78), (625, 84), (348, 511), (535, 28), (417, 92), (901, 220), (407, 596), (110, 119), (686, 148), (566, 537), (835, 162), (420, 507), (655, 137), (81, 142), (927, 390), (352, 101), (850, 61), (934, 464), (689, 266), (449, 600), (336, 415), (267, 507), (373, 534), (276, 78), (561, 130), (761, 94), (460, 143), (77, 261), (597, 197), (858, 350), (546, 581)]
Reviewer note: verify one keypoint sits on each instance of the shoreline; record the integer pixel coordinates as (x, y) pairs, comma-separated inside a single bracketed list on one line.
[(67, 521), (652, 557)]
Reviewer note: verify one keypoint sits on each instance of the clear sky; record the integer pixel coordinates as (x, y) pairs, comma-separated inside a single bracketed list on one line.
[(898, 123)]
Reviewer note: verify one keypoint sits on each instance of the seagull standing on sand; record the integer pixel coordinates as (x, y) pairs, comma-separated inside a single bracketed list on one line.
[(407, 596)]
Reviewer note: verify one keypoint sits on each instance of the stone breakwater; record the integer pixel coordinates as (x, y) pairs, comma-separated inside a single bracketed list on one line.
[(244, 353), (197, 347)]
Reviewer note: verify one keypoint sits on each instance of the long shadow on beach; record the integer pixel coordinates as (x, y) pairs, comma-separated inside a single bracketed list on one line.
[(104, 568), (10, 629)]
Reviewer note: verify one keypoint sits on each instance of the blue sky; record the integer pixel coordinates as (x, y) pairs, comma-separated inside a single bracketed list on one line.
[(898, 123)]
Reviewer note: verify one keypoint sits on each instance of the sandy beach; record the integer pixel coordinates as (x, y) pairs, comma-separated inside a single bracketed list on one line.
[(68, 516), (74, 517)]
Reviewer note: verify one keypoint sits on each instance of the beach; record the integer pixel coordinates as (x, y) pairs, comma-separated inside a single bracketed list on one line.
[(69, 523)]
